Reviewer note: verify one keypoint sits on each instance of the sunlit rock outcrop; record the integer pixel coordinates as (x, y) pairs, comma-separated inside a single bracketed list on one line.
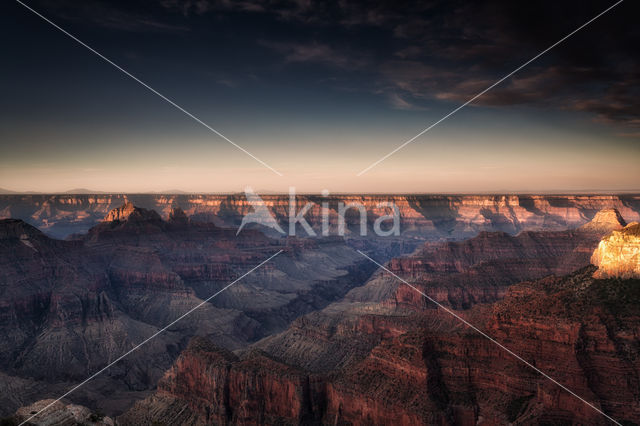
[(130, 212), (618, 254), (605, 220)]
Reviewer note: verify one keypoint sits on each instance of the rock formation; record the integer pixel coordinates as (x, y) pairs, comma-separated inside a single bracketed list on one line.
[(60, 414), (428, 217), (130, 212), (481, 268), (365, 361), (618, 254), (605, 220), (69, 307), (312, 337), (434, 370), (225, 389)]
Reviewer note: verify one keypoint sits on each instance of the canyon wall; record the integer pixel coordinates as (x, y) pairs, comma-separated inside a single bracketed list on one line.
[(337, 346), (69, 307), (425, 216), (431, 369), (381, 356)]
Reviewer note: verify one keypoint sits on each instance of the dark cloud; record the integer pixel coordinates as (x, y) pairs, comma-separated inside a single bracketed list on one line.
[(107, 15), (455, 51), (199, 7), (451, 50), (316, 53), (618, 103), (436, 50)]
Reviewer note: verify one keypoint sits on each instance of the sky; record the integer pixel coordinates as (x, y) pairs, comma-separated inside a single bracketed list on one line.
[(319, 91)]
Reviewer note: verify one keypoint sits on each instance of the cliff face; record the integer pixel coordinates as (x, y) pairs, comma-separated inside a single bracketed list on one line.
[(69, 307), (618, 255), (580, 331), (480, 269), (224, 389), (584, 333), (427, 216), (332, 350), (377, 358), (456, 274), (433, 370)]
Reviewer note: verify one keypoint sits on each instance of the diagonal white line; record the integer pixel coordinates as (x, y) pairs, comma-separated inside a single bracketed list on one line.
[(94, 375), (482, 333), (127, 73), (488, 88)]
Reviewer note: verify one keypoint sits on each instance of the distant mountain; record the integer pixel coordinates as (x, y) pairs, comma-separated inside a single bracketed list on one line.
[(172, 191), (78, 191), (83, 191)]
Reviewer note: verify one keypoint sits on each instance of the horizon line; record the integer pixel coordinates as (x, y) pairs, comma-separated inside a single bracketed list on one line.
[(4, 191)]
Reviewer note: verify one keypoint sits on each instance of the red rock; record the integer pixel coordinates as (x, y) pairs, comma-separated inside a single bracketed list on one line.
[(427, 367), (68, 308)]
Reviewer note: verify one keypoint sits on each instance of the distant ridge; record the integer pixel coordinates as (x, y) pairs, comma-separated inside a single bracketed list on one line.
[(175, 191), (4, 191), (83, 191)]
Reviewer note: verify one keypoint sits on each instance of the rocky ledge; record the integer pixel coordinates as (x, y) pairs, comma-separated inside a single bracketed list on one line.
[(60, 414)]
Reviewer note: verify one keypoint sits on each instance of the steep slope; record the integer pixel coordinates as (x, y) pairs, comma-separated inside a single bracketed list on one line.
[(456, 274), (253, 389), (428, 368), (70, 307), (435, 376), (480, 269), (62, 320), (582, 332)]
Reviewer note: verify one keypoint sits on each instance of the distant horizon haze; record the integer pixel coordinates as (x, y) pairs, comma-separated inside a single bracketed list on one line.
[(267, 192)]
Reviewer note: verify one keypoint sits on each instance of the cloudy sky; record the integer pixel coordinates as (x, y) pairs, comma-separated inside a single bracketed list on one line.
[(319, 91)]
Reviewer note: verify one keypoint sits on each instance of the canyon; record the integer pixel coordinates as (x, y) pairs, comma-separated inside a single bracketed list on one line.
[(320, 335), (426, 216), (69, 307), (378, 357)]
